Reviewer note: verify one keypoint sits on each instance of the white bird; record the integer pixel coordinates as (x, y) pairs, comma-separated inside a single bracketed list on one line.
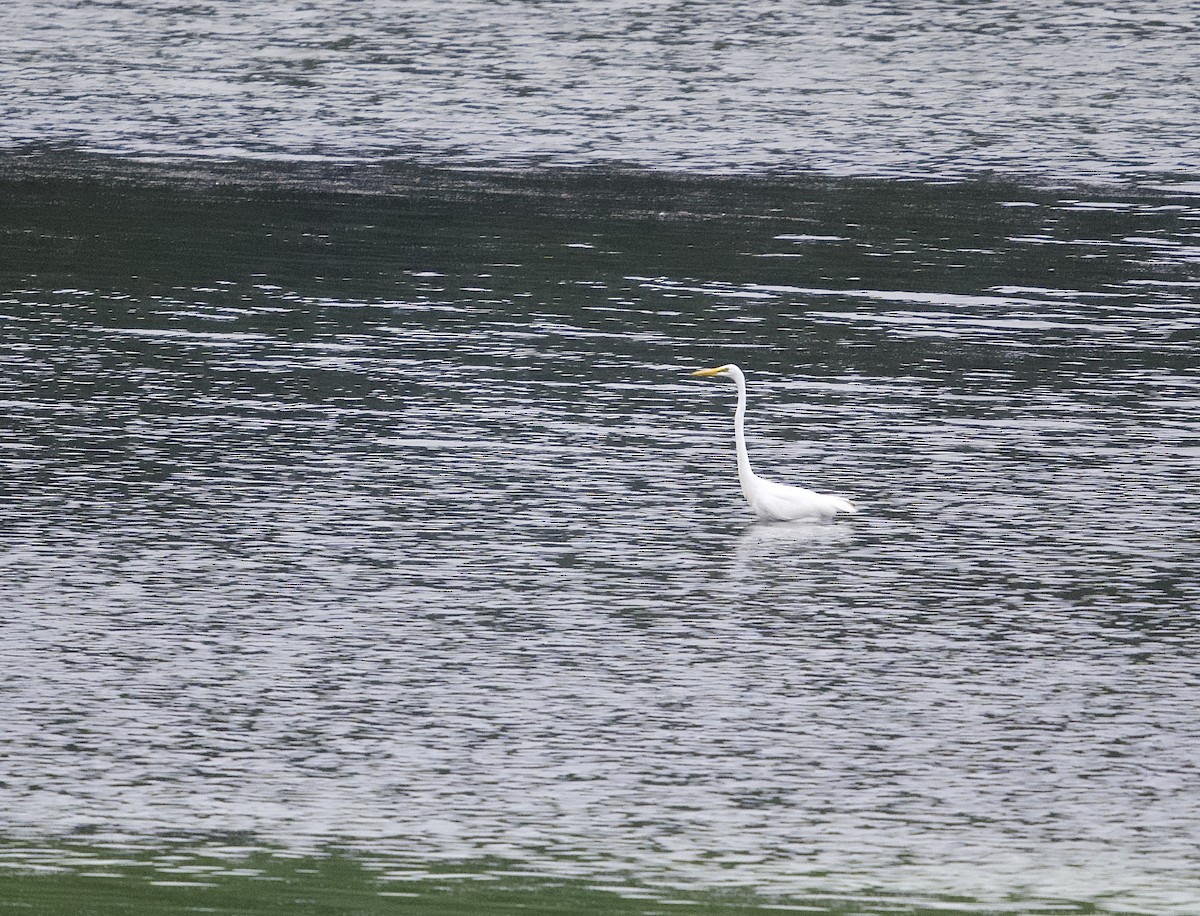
[(773, 501)]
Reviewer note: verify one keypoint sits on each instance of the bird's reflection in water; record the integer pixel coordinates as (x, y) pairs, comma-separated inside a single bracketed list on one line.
[(772, 536), (776, 543)]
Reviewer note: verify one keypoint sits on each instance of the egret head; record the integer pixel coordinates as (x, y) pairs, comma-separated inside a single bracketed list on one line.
[(728, 370)]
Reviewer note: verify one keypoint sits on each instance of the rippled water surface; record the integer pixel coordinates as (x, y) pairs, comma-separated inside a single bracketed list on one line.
[(393, 521), (1068, 89)]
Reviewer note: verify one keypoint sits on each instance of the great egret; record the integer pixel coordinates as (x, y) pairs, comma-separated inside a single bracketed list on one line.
[(772, 501)]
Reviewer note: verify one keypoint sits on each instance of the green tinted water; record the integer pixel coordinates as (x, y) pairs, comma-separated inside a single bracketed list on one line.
[(82, 880)]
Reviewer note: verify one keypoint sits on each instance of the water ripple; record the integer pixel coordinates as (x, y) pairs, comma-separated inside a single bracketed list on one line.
[(848, 89), (427, 566)]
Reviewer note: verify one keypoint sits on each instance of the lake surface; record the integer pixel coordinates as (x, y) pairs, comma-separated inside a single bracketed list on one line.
[(365, 545), (394, 523), (1095, 90)]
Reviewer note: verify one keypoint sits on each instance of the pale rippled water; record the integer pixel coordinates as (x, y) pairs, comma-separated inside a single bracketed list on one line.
[(395, 523), (1081, 91)]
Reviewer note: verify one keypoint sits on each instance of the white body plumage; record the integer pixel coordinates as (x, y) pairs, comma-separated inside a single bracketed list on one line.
[(773, 501)]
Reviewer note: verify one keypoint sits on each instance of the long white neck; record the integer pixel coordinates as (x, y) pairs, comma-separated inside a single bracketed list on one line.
[(745, 475)]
